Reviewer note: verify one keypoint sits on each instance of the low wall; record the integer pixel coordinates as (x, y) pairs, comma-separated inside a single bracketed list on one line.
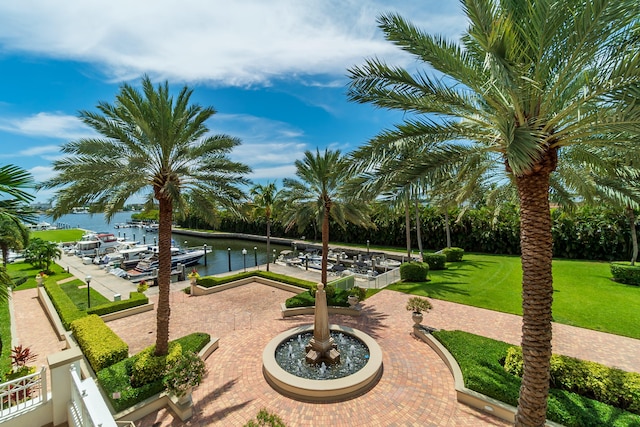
[(464, 395), (197, 290), (296, 311)]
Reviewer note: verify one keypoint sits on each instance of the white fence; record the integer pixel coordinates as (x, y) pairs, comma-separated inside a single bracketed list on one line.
[(23, 393), (380, 281), (87, 407)]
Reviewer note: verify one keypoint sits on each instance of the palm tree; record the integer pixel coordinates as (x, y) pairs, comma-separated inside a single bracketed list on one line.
[(41, 253), (13, 235), (317, 196), (149, 140), (264, 199), (528, 78), (14, 183)]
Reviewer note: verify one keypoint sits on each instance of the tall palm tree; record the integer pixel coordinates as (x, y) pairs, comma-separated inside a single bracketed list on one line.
[(15, 183), (264, 199), (317, 196), (150, 141), (528, 78)]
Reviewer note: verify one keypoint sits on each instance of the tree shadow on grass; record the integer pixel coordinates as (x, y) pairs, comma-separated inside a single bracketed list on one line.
[(433, 289)]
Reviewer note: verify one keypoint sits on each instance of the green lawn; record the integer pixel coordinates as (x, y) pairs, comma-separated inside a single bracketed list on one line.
[(79, 294), (70, 235), (584, 294), (24, 275), (5, 335)]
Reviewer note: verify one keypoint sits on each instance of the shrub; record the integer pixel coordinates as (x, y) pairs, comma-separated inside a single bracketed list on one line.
[(265, 419), (135, 299), (626, 273), (418, 305), (361, 293), (330, 290), (100, 345), (211, 281), (184, 373), (65, 307), (453, 254), (148, 367), (608, 385), (142, 287), (116, 378), (414, 271), (435, 261), (339, 298)]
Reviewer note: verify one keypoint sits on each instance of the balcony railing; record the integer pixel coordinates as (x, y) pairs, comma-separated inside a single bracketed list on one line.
[(23, 393)]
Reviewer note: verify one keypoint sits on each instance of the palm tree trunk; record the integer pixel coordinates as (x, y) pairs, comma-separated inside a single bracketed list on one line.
[(447, 227), (325, 242), (634, 237), (537, 296), (268, 242), (407, 227), (418, 229), (164, 276)]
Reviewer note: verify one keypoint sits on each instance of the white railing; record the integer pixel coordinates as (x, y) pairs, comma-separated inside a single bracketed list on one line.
[(87, 407), (380, 281), (23, 393)]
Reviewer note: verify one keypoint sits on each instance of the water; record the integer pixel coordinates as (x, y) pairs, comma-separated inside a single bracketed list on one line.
[(217, 259), (354, 355)]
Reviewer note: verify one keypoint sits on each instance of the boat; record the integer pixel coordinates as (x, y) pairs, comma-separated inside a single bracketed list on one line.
[(187, 258), (96, 244)]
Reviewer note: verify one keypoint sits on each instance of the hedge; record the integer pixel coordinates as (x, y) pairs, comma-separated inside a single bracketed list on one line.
[(414, 271), (453, 254), (612, 386), (435, 261), (336, 298), (100, 345), (66, 309), (148, 367), (116, 378), (135, 299), (626, 273), (210, 281)]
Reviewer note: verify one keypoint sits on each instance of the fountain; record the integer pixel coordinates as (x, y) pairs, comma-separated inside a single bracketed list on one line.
[(316, 371)]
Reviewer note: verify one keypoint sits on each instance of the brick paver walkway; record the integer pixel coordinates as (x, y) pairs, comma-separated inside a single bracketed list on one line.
[(416, 388)]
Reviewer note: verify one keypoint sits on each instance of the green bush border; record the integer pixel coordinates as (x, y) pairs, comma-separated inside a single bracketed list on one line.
[(100, 345), (115, 378), (65, 307), (624, 272), (135, 299), (480, 362)]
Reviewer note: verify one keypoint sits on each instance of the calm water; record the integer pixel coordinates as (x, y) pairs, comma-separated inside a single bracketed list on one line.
[(217, 260)]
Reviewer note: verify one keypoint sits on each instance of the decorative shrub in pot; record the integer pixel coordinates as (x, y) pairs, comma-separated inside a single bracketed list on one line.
[(417, 305)]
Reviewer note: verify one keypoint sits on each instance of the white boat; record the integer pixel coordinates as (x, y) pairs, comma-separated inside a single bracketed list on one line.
[(97, 244), (178, 256)]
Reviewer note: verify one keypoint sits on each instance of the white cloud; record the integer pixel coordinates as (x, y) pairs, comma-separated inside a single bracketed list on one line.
[(245, 42), (51, 125), (274, 173)]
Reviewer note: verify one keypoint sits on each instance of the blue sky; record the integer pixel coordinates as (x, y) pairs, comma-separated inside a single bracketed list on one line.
[(274, 70)]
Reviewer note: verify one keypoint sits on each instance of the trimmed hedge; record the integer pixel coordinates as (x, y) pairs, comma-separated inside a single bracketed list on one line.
[(453, 254), (414, 271), (338, 298), (480, 361), (148, 367), (100, 345), (626, 273), (116, 378), (211, 281), (612, 386), (435, 261), (135, 299), (65, 307)]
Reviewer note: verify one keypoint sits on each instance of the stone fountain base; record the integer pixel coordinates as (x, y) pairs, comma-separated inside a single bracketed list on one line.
[(322, 390)]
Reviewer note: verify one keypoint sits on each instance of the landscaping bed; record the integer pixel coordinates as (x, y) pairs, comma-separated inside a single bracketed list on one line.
[(481, 362)]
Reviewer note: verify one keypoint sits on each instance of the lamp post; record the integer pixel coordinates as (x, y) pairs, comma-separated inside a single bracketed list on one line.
[(229, 257), (306, 261), (367, 247), (244, 259), (255, 255), (205, 254), (274, 256), (88, 280)]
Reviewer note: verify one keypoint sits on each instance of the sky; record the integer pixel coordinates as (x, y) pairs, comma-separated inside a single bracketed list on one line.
[(275, 71)]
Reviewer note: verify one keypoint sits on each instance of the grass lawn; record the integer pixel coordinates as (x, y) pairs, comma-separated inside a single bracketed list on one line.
[(70, 235), (24, 275), (5, 335), (584, 294), (480, 362), (78, 294)]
